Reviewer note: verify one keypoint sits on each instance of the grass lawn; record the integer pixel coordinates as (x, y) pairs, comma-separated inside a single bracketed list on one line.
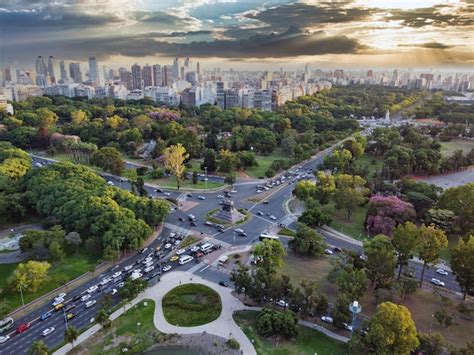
[(170, 183), (188, 241), (448, 148), (308, 341), (137, 337), (264, 162), (353, 227), (287, 231), (373, 164), (72, 267), (191, 305)]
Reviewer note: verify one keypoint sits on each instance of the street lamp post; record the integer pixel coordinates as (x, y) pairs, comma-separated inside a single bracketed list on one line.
[(205, 176), (355, 309), (21, 294)]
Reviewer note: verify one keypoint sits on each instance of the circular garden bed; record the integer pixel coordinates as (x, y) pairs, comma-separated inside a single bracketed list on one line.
[(191, 305)]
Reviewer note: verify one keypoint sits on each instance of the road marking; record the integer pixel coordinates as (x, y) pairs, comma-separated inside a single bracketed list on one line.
[(204, 269)]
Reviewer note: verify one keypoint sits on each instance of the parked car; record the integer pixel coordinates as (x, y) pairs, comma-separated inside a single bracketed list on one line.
[(327, 319), (223, 284), (437, 282), (337, 250), (260, 213), (347, 326), (273, 218), (282, 303), (48, 331), (442, 272), (328, 251)]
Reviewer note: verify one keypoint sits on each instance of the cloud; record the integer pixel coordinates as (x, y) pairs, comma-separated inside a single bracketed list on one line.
[(162, 18), (438, 16), (429, 45)]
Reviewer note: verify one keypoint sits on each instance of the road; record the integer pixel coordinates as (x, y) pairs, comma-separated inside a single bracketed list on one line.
[(177, 221)]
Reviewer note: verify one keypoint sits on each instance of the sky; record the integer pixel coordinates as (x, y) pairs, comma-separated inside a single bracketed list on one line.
[(242, 33)]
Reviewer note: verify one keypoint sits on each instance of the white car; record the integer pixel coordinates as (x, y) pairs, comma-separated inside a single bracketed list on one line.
[(85, 298), (442, 272), (90, 303), (60, 296), (147, 260), (282, 303), (239, 230), (4, 339), (437, 282), (148, 264), (120, 285), (167, 193), (105, 281), (128, 267), (194, 249), (273, 218), (259, 191), (328, 251), (220, 196), (117, 274), (347, 326), (47, 331), (233, 192), (327, 319), (92, 289), (113, 292), (168, 245), (201, 197), (148, 269), (57, 301), (166, 268), (136, 275), (143, 251), (180, 251), (110, 183)]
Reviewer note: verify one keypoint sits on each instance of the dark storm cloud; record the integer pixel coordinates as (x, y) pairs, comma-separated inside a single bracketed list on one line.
[(432, 16), (291, 43), (429, 45), (303, 15)]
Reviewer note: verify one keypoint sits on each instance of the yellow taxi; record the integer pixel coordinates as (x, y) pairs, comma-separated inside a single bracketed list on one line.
[(174, 258)]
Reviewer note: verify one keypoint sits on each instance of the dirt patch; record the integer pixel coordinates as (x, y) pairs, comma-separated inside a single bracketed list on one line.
[(204, 342)]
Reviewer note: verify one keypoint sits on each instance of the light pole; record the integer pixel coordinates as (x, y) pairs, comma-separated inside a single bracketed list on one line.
[(21, 294), (205, 176), (355, 309)]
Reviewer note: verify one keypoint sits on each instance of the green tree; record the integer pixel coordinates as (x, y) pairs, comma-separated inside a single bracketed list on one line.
[(271, 322), (103, 319), (431, 241), (340, 312), (462, 263), (431, 343), (132, 289), (441, 218), (270, 253), (38, 347), (405, 239), (209, 160), (227, 161), (307, 241), (195, 177), (352, 282), (174, 158), (109, 159), (229, 179), (71, 334), (460, 200), (392, 330), (56, 252), (314, 215), (47, 118), (30, 276), (309, 290), (381, 260), (242, 279), (350, 192)]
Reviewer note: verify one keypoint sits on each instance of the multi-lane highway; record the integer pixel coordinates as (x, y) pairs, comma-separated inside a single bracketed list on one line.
[(265, 215)]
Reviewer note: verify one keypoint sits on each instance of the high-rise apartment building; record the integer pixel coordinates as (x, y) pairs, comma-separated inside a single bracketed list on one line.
[(51, 69), (125, 78), (75, 72), (62, 70), (198, 68), (93, 70), (41, 66), (220, 94), (147, 76), (136, 77), (157, 75), (176, 69), (167, 75), (7, 75)]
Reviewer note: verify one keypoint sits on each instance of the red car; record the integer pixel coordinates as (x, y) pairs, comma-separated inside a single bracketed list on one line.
[(23, 327)]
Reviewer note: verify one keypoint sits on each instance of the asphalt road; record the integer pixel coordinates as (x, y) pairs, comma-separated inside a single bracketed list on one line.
[(20, 343)]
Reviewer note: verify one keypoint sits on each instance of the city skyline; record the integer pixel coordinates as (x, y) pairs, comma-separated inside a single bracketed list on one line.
[(242, 34)]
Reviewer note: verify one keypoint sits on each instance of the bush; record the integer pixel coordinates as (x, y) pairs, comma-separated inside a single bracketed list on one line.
[(157, 174), (142, 170), (233, 344), (271, 323)]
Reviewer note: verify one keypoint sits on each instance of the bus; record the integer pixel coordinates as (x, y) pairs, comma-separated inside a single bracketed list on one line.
[(264, 236), (185, 259), (6, 324)]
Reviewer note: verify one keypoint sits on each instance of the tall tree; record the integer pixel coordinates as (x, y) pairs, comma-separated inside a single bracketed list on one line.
[(242, 279), (109, 159), (29, 276), (352, 282), (71, 334), (174, 158), (405, 239), (270, 254), (462, 263), (460, 200), (381, 260), (431, 241), (307, 241), (350, 192), (38, 347)]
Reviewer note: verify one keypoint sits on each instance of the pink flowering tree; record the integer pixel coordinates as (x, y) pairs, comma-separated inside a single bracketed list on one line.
[(386, 212), (165, 114)]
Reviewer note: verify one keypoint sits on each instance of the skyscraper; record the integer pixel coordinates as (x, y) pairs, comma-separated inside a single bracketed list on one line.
[(41, 71), (62, 69), (93, 70), (125, 78), (75, 72), (136, 77), (51, 73), (176, 69), (7, 75), (167, 75), (220, 93), (147, 76), (198, 68), (157, 75), (187, 63)]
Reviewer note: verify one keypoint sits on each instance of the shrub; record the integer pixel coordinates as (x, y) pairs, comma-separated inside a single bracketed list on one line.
[(233, 344)]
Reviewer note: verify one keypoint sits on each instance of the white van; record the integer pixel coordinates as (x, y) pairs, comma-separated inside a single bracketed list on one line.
[(185, 259), (223, 259), (205, 247)]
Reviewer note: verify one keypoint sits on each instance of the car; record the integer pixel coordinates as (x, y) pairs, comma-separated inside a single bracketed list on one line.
[(46, 315), (147, 260), (223, 284), (114, 291), (144, 250), (220, 196), (191, 217), (193, 224), (148, 264), (58, 307), (201, 197), (233, 191), (57, 301), (328, 251), (194, 249), (259, 191), (120, 285), (442, 272), (337, 249), (176, 243), (266, 202), (347, 326), (117, 274), (69, 307), (127, 268), (23, 327), (167, 193), (181, 219), (105, 281), (4, 339), (92, 289), (90, 303), (77, 297), (47, 331), (148, 269), (159, 190), (60, 296), (136, 275), (273, 218), (174, 258), (282, 303), (260, 213), (166, 268), (327, 319), (189, 195), (437, 282), (70, 316), (239, 230), (180, 251), (210, 224), (85, 298), (168, 245), (111, 183)]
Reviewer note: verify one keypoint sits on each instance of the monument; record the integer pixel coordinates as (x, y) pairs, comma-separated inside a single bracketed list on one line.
[(228, 213)]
